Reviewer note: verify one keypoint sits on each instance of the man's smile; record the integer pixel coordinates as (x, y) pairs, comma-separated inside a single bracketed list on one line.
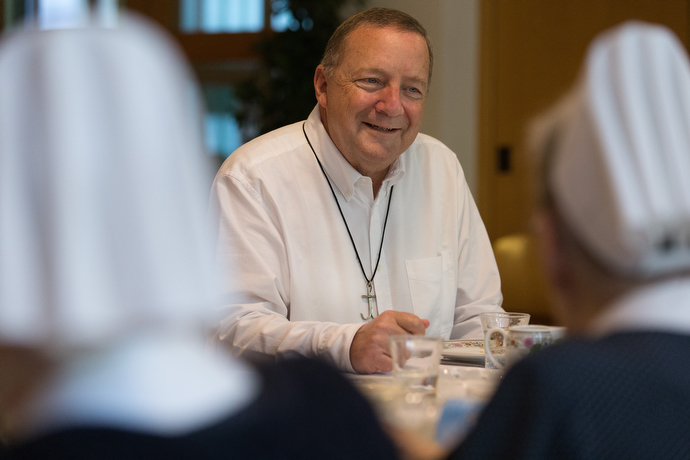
[(380, 128)]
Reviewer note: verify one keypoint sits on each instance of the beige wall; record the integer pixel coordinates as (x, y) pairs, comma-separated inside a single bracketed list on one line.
[(451, 109)]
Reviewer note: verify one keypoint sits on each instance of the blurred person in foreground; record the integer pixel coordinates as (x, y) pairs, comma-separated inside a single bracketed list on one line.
[(614, 226), (106, 272), (351, 226)]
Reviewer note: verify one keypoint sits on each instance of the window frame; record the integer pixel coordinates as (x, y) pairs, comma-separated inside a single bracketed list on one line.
[(204, 47)]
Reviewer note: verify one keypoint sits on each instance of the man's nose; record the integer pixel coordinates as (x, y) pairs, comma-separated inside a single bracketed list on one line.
[(390, 102)]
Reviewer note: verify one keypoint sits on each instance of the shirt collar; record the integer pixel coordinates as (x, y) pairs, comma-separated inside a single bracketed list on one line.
[(341, 173), (663, 306)]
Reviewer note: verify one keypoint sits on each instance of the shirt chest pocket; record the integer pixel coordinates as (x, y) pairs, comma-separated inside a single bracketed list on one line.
[(433, 291)]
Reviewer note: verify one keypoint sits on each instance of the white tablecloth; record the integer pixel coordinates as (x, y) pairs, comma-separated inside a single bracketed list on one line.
[(461, 393)]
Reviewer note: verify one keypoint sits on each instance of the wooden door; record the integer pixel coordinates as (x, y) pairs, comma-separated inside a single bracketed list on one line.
[(531, 51)]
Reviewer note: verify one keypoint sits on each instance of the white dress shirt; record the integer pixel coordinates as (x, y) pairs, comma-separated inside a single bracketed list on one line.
[(295, 282)]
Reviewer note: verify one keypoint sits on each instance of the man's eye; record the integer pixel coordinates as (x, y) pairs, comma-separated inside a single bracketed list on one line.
[(414, 92), (370, 80)]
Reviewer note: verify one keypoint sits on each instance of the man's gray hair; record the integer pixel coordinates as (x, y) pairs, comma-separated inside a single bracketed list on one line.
[(374, 17)]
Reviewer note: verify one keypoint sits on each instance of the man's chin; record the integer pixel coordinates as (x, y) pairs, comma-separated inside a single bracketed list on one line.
[(379, 160)]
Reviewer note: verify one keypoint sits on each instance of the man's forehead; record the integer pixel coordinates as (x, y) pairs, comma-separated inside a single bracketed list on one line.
[(355, 49), (359, 34)]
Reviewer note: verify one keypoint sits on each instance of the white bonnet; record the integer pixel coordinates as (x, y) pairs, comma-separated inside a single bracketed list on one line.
[(620, 169), (103, 187)]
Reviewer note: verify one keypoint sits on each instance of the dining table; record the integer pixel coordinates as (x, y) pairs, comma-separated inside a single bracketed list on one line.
[(462, 389)]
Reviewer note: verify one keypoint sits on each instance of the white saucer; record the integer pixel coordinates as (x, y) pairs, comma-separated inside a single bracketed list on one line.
[(464, 350)]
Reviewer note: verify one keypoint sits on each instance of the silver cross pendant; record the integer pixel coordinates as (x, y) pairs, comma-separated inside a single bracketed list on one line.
[(370, 297)]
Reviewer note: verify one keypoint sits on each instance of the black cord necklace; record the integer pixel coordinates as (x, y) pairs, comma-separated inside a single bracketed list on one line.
[(369, 296)]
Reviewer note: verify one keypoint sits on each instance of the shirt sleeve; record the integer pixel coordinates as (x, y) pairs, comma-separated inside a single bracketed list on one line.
[(253, 258), (479, 284)]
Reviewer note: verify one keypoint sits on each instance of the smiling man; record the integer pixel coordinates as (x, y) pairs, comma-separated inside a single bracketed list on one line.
[(351, 226)]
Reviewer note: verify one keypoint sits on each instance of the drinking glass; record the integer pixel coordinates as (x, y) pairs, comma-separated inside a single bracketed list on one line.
[(416, 360), (502, 320)]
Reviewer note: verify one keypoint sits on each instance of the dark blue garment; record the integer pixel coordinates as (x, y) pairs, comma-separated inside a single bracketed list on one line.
[(626, 396), (306, 410)]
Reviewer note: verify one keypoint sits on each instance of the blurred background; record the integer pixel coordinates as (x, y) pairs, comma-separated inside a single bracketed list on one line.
[(498, 63)]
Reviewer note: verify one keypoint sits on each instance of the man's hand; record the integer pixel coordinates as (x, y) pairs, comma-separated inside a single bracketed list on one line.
[(370, 352)]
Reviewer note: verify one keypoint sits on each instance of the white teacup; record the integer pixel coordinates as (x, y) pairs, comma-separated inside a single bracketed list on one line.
[(521, 341), (557, 333)]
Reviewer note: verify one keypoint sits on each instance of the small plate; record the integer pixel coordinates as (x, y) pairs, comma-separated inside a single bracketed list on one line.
[(461, 350)]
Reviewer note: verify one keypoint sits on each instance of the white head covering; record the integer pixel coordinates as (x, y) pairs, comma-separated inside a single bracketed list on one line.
[(620, 172), (103, 187)]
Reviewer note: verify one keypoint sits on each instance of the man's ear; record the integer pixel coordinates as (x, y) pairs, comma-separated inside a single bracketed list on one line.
[(320, 85)]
